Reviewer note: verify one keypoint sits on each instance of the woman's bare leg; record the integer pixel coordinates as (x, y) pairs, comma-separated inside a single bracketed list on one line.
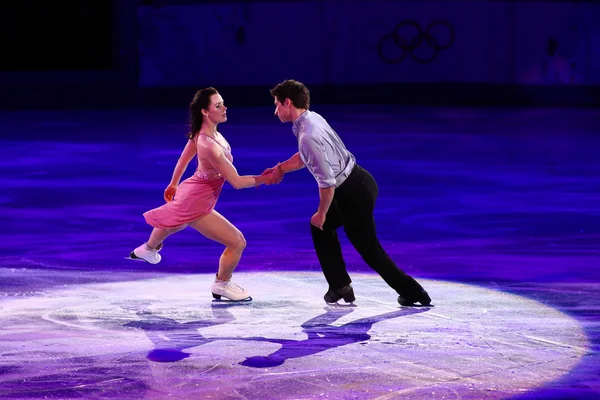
[(216, 227), (158, 235), (149, 251)]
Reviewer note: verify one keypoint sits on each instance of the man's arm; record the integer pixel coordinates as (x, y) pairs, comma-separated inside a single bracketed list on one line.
[(320, 167), (317, 162), (326, 197), (293, 163)]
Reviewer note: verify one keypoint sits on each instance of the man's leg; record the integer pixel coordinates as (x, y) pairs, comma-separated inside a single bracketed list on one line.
[(356, 203), (329, 250)]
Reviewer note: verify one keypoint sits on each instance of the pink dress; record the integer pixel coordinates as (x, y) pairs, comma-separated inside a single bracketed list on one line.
[(195, 197)]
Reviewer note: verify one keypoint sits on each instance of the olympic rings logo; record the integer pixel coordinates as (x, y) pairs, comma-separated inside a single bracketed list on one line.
[(421, 54)]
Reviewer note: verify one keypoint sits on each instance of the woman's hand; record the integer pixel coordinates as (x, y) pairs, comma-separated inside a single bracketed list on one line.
[(170, 192)]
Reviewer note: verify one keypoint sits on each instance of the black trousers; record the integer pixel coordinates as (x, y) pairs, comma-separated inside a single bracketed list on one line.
[(352, 207)]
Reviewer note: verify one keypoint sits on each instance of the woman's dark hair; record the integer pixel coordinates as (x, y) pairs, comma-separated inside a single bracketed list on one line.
[(200, 102), (293, 90)]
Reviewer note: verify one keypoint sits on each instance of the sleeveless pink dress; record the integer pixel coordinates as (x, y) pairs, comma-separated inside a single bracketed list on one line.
[(195, 197)]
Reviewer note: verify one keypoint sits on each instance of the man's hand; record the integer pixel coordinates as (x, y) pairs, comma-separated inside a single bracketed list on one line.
[(275, 175), (318, 220)]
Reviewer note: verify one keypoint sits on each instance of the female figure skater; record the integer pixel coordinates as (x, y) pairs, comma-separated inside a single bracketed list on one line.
[(192, 202)]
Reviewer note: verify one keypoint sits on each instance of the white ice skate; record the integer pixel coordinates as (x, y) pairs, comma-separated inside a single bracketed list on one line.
[(144, 253), (230, 291)]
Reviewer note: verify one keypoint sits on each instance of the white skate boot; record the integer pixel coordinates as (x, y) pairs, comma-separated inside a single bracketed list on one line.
[(145, 253), (229, 290)]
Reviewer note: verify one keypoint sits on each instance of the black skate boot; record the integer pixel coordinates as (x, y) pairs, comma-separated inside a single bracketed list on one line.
[(345, 292), (422, 297)]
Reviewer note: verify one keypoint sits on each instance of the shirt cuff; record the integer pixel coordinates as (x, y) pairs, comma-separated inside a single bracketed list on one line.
[(326, 183)]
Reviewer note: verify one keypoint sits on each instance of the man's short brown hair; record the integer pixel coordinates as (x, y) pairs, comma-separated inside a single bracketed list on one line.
[(293, 90)]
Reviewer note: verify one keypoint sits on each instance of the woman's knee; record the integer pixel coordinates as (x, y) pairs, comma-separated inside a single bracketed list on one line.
[(239, 242)]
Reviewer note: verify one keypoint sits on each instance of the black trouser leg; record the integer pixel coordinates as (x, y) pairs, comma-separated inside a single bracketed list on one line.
[(329, 251), (355, 200)]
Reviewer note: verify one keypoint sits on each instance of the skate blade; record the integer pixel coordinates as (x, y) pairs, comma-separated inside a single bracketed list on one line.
[(418, 306), (135, 259), (342, 305), (223, 299)]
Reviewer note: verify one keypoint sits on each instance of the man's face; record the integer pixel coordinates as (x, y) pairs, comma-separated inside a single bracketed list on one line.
[(283, 110)]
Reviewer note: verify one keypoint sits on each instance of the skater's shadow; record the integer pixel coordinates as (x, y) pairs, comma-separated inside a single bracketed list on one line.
[(170, 337), (322, 336)]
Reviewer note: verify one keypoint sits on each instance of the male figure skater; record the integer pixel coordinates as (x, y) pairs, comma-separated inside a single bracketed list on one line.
[(347, 198)]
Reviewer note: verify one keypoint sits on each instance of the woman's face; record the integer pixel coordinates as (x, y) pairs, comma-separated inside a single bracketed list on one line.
[(217, 112)]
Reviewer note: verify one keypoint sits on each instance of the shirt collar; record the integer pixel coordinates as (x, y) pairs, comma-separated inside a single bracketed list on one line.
[(298, 124)]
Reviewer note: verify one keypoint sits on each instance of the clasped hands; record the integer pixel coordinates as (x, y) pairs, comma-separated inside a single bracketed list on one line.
[(274, 175)]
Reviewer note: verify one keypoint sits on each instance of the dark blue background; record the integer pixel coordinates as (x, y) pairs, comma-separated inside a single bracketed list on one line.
[(136, 53)]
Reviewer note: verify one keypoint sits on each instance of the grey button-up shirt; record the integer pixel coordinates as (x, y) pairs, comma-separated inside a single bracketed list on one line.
[(322, 150)]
